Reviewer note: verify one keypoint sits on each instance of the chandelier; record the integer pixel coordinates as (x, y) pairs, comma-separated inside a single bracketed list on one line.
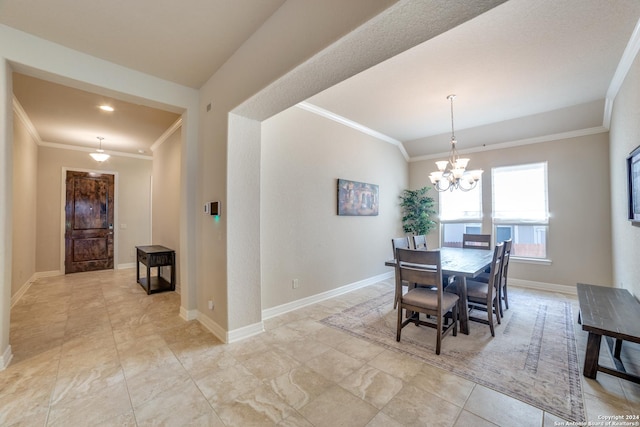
[(99, 155), (452, 173)]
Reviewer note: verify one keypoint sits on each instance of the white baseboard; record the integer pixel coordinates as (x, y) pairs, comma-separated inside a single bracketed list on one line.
[(23, 290), (52, 273), (541, 286), (6, 358), (126, 266), (303, 302), (245, 332), (188, 314), (212, 326)]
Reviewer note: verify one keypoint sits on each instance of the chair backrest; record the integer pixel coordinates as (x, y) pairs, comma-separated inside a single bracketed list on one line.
[(399, 243), (421, 268), (476, 241), (420, 242), (495, 274), (505, 259)]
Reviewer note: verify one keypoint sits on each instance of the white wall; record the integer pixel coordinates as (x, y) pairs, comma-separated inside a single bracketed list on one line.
[(578, 183), (166, 196), (25, 172), (263, 79), (302, 237), (625, 136)]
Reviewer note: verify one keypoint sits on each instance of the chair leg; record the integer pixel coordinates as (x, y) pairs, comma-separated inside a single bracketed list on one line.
[(496, 307), (399, 329), (454, 312), (439, 336), (505, 297), (490, 318)]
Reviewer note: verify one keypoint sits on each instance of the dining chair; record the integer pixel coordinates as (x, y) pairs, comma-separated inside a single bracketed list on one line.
[(424, 268), (476, 241), (420, 242), (399, 243), (484, 295), (502, 287)]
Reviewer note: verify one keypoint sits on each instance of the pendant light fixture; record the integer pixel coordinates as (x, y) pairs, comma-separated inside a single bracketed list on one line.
[(99, 155), (452, 173)]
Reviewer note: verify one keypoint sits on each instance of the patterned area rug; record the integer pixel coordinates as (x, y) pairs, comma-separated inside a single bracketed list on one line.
[(532, 357)]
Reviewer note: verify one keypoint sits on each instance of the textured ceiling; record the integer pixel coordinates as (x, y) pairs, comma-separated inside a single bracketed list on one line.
[(520, 59), (181, 41)]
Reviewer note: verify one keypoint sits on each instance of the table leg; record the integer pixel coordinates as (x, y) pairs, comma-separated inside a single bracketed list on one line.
[(148, 279), (591, 355), (463, 309)]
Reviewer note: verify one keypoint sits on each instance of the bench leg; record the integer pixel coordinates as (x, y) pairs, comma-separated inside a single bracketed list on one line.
[(591, 355)]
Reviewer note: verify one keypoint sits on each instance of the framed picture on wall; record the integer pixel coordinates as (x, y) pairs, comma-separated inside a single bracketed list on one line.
[(357, 198), (633, 184)]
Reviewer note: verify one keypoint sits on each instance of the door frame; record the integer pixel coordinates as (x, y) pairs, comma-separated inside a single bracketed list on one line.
[(63, 201)]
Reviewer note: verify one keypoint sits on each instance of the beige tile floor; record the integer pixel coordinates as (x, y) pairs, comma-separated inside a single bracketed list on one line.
[(93, 349)]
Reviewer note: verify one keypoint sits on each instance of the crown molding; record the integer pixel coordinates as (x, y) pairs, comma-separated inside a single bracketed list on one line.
[(626, 61), (24, 118), (354, 125), (91, 150), (518, 143), (174, 127)]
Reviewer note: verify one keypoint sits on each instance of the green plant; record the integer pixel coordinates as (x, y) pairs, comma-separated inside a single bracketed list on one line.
[(417, 211)]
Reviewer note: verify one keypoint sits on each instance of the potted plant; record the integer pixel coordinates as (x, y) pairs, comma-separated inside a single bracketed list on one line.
[(417, 211)]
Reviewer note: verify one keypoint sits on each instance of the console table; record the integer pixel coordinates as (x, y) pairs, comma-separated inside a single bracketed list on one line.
[(156, 256)]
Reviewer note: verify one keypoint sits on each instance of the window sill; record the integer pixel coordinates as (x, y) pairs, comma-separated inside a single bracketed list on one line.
[(539, 261)]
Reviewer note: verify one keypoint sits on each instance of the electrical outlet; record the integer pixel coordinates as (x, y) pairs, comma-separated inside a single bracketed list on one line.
[(210, 304), (295, 283)]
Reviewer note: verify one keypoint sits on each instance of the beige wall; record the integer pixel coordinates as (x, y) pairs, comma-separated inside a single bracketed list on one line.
[(25, 172), (579, 192), (625, 136), (132, 203), (302, 237), (166, 195)]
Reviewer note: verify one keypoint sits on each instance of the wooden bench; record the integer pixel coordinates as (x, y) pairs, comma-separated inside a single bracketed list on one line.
[(612, 313)]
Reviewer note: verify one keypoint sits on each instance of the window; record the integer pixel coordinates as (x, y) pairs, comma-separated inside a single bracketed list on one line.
[(460, 212), (520, 208)]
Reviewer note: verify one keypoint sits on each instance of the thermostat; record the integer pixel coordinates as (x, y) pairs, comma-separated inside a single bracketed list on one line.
[(212, 208)]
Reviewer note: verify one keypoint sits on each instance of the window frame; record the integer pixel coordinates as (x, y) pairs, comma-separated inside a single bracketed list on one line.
[(514, 222)]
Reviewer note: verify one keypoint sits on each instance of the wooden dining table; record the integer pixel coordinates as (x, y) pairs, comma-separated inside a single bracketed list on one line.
[(462, 263)]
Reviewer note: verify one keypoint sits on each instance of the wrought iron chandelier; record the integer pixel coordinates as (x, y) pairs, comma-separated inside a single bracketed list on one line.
[(452, 173)]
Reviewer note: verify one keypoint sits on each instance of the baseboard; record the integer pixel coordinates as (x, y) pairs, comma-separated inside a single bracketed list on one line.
[(541, 286), (245, 332), (25, 287), (188, 314), (303, 302), (23, 290), (126, 266), (52, 273), (212, 326), (6, 358)]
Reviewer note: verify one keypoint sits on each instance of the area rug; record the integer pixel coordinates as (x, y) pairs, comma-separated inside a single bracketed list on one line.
[(532, 357)]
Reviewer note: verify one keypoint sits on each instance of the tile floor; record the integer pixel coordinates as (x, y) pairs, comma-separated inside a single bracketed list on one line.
[(93, 349)]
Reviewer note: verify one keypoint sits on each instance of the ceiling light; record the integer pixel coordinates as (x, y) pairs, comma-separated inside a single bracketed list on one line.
[(106, 108), (99, 155), (456, 177)]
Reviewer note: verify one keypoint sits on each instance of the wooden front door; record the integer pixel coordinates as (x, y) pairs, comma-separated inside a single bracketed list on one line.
[(88, 222)]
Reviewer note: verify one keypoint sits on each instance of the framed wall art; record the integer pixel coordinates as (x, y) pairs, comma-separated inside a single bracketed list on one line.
[(357, 198)]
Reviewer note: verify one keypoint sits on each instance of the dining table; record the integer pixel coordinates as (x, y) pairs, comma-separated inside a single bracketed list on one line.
[(462, 263)]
